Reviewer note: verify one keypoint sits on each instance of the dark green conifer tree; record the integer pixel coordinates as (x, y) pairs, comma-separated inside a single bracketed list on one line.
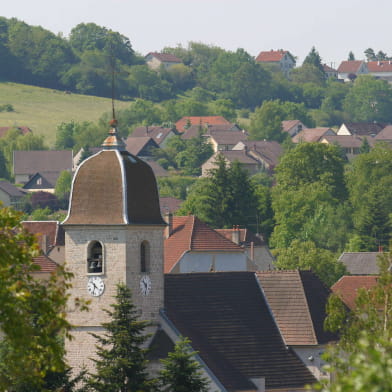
[(121, 358), (181, 372)]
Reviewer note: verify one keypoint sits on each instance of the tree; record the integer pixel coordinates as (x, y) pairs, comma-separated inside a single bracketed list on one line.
[(367, 178), (361, 361), (369, 99), (370, 55), (305, 255), (32, 317), (181, 372), (308, 73), (312, 162), (313, 58), (266, 121), (121, 359), (63, 187), (226, 198), (351, 56)]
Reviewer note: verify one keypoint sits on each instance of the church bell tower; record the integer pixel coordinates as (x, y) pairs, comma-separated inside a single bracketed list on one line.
[(113, 234)]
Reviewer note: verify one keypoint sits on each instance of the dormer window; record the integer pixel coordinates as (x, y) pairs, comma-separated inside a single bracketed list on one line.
[(144, 257), (95, 258)]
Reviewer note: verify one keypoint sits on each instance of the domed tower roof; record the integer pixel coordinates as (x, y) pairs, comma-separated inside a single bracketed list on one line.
[(114, 187)]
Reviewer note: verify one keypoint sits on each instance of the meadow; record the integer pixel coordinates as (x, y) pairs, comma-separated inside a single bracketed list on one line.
[(42, 109)]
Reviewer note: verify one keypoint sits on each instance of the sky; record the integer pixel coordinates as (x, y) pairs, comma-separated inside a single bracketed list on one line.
[(333, 27)]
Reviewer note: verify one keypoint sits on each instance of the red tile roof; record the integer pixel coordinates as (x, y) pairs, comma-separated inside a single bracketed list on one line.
[(380, 66), (45, 264), (190, 234), (23, 130), (347, 287), (169, 204), (245, 236), (350, 66), (288, 124), (51, 229), (271, 56), (196, 120)]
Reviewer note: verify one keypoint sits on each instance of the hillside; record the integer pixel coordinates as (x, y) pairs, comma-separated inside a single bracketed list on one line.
[(43, 109)]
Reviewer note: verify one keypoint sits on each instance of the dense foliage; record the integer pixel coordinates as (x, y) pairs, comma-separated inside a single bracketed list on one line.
[(32, 318), (361, 361)]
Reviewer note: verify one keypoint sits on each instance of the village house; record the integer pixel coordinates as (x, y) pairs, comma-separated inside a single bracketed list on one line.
[(330, 72), (249, 163), (281, 59), (225, 140), (160, 135), (50, 238), (312, 135), (202, 121), (156, 60), (350, 144), (192, 246), (196, 130), (360, 263), (39, 170), (22, 130), (292, 127), (10, 195), (267, 153), (255, 246), (348, 70), (385, 135), (297, 300), (371, 129), (381, 69), (347, 287)]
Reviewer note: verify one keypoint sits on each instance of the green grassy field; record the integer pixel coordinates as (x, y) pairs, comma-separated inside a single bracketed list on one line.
[(42, 110)]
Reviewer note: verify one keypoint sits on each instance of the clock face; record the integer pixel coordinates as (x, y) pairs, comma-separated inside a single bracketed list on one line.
[(95, 286), (145, 285)]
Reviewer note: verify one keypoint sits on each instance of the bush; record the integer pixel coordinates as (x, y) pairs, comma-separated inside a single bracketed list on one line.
[(6, 108)]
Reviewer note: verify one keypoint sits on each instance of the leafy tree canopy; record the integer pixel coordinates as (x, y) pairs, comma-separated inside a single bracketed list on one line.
[(305, 255), (31, 310)]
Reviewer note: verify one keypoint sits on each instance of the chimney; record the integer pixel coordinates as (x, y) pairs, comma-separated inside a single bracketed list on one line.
[(235, 235), (169, 228), (252, 250), (44, 243)]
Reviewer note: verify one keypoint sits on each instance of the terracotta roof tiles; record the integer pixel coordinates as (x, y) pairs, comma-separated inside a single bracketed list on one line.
[(165, 57), (48, 233), (347, 287), (350, 66), (45, 264), (190, 234), (199, 120), (271, 56)]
